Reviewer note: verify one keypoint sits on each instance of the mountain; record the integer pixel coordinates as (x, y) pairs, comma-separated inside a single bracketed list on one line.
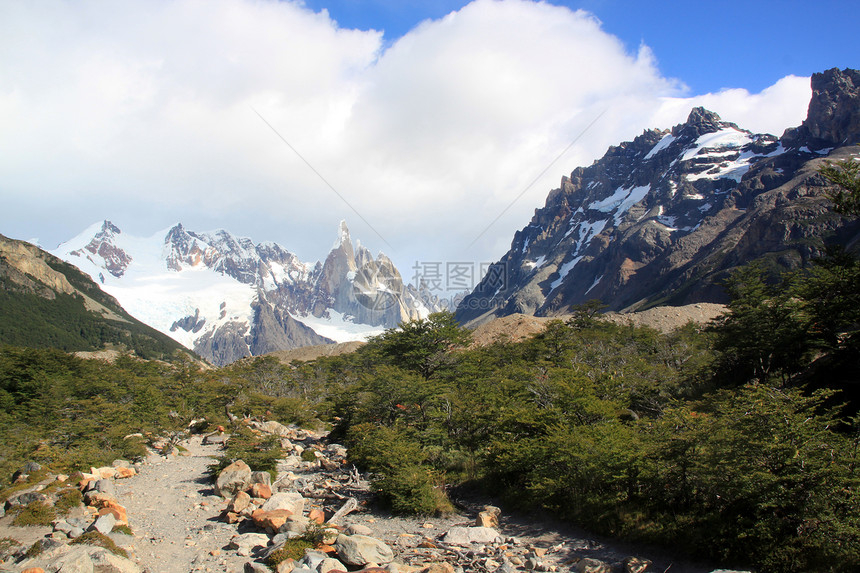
[(664, 218), (45, 302), (226, 297)]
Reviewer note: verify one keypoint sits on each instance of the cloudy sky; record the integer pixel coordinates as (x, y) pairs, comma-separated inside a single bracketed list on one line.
[(434, 127)]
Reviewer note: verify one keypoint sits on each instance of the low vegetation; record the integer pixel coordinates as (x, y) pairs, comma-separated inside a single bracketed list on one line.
[(739, 442)]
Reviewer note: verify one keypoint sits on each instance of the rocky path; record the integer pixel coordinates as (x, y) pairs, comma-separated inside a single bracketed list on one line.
[(180, 525), (174, 514)]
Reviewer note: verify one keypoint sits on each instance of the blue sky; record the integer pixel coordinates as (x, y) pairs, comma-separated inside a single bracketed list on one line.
[(153, 112), (707, 45)]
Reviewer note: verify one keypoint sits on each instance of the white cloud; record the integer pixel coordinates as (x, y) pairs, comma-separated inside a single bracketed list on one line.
[(143, 112)]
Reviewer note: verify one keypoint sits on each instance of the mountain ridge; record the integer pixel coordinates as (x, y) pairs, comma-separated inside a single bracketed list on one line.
[(227, 297), (664, 218)]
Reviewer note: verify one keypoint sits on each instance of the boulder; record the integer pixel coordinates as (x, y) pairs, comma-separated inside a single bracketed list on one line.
[(359, 550), (489, 517), (276, 428), (261, 490), (589, 565), (239, 502), (251, 567), (234, 478), (329, 565), (118, 512), (123, 473), (215, 439), (286, 500), (261, 477), (26, 498), (104, 523), (245, 543), (465, 536), (274, 519), (358, 529), (636, 565)]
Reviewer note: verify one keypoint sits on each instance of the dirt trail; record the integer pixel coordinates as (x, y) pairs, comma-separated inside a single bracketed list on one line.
[(175, 516), (173, 512)]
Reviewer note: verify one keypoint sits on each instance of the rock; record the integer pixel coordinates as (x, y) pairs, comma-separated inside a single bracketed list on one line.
[(104, 523), (215, 439), (636, 565), (120, 464), (291, 501), (442, 567), (33, 570), (286, 566), (274, 519), (117, 511), (251, 567), (465, 536), (26, 498), (296, 526), (359, 550), (329, 565), (246, 542), (489, 517), (105, 472), (104, 486), (98, 499), (123, 473), (261, 490), (234, 478), (276, 428), (261, 477), (589, 565), (239, 502), (358, 529)]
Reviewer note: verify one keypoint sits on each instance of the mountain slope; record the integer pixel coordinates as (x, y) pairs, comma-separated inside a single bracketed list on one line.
[(663, 218), (227, 297), (45, 302)]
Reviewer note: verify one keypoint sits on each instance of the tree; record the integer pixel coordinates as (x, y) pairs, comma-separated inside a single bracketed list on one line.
[(846, 175), (419, 345)]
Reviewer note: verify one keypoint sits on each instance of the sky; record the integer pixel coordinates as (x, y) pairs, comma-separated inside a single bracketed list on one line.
[(434, 128)]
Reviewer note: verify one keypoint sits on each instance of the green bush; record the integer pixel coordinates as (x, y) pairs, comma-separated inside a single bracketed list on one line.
[(36, 513), (292, 549), (100, 540), (260, 452), (67, 500)]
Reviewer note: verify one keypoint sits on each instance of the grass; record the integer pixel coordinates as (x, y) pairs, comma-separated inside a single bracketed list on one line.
[(124, 529)]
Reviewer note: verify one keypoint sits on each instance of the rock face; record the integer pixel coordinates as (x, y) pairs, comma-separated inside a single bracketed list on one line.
[(664, 218), (227, 297)]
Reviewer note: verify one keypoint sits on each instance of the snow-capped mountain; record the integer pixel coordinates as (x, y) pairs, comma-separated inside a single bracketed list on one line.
[(226, 297), (663, 218)]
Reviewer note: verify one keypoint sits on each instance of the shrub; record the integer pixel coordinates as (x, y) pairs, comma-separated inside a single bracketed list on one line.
[(67, 500), (100, 540), (292, 549), (36, 513), (309, 456)]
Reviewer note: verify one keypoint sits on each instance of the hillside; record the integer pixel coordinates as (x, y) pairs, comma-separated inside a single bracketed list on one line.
[(47, 303)]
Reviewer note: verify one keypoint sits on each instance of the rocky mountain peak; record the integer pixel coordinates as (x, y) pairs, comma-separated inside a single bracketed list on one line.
[(666, 216), (103, 245), (699, 122), (834, 110)]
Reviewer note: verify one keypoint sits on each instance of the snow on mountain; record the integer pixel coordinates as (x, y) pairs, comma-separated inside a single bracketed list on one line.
[(227, 297)]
